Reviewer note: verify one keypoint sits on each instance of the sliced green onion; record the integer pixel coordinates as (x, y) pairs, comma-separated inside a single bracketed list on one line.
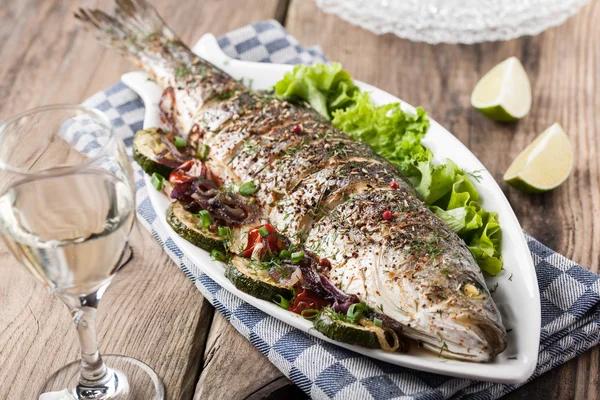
[(350, 311), (297, 256), (313, 314), (179, 141), (158, 181), (355, 311), (247, 188), (284, 254), (263, 231), (218, 255), (224, 232), (203, 152), (281, 301), (205, 217), (378, 322)]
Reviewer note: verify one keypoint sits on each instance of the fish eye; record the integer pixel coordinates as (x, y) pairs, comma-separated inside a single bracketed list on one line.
[(473, 291)]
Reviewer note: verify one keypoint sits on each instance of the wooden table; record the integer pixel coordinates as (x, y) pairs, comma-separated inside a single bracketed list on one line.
[(154, 313)]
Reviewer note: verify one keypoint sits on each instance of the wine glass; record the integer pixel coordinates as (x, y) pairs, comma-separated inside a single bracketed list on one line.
[(67, 206)]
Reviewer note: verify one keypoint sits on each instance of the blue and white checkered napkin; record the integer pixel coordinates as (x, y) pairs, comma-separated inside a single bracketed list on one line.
[(570, 294)]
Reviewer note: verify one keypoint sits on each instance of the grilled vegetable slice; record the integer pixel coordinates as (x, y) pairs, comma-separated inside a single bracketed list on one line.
[(146, 145), (366, 333), (330, 325), (189, 227), (248, 277)]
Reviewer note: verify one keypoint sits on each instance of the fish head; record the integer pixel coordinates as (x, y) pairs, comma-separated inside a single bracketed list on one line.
[(446, 306)]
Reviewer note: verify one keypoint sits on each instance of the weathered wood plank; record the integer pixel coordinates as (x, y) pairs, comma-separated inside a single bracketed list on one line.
[(232, 368), (564, 67), (151, 311)]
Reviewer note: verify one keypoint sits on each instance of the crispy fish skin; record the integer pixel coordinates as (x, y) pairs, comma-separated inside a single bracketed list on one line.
[(322, 189)]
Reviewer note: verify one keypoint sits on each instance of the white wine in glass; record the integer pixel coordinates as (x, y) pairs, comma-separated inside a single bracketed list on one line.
[(67, 206)]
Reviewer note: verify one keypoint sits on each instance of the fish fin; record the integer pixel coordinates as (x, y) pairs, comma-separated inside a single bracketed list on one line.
[(134, 25)]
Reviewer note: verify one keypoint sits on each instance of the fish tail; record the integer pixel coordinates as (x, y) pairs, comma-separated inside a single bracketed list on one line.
[(138, 32), (134, 28)]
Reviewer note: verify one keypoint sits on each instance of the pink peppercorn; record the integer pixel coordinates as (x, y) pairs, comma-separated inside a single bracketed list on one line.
[(394, 185), (297, 129), (387, 215), (325, 263)]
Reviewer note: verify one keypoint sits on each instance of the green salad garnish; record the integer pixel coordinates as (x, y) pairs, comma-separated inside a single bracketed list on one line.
[(396, 135), (327, 87)]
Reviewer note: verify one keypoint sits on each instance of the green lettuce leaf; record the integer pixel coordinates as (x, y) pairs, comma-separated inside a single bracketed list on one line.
[(389, 131), (460, 208), (396, 136), (326, 87), (461, 220), (484, 243), (436, 181)]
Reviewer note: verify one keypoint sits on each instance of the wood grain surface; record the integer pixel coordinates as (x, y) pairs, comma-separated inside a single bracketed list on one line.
[(152, 312)]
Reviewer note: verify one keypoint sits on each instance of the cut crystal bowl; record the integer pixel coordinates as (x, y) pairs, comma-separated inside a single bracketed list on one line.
[(454, 21)]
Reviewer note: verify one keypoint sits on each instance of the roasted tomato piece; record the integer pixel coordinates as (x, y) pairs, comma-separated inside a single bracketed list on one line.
[(188, 171), (307, 300), (266, 239)]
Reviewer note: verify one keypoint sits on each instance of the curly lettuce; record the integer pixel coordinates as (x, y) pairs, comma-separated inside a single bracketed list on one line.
[(391, 132), (396, 136), (326, 87)]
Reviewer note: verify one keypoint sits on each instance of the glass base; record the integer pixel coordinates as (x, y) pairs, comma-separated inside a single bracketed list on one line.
[(129, 379)]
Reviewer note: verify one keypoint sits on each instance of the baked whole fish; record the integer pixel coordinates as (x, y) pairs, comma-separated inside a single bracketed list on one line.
[(321, 189)]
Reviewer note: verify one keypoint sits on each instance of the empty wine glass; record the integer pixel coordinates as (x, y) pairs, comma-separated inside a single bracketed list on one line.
[(67, 206)]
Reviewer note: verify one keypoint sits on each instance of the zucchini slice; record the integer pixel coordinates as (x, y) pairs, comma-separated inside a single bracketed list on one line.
[(146, 145), (329, 325), (189, 227), (249, 278)]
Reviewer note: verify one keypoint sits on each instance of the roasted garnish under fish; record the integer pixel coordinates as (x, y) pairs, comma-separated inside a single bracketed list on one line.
[(321, 189)]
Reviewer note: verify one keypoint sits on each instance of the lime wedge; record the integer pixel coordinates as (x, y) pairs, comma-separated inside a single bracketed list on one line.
[(504, 93), (544, 164)]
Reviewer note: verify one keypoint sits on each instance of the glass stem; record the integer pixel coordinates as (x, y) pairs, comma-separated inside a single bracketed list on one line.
[(92, 366), (83, 310)]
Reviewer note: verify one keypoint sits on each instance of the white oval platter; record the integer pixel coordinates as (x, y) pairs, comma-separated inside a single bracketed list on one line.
[(517, 297)]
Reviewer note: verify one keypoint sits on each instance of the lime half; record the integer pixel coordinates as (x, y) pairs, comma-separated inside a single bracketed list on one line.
[(504, 93), (544, 164)]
